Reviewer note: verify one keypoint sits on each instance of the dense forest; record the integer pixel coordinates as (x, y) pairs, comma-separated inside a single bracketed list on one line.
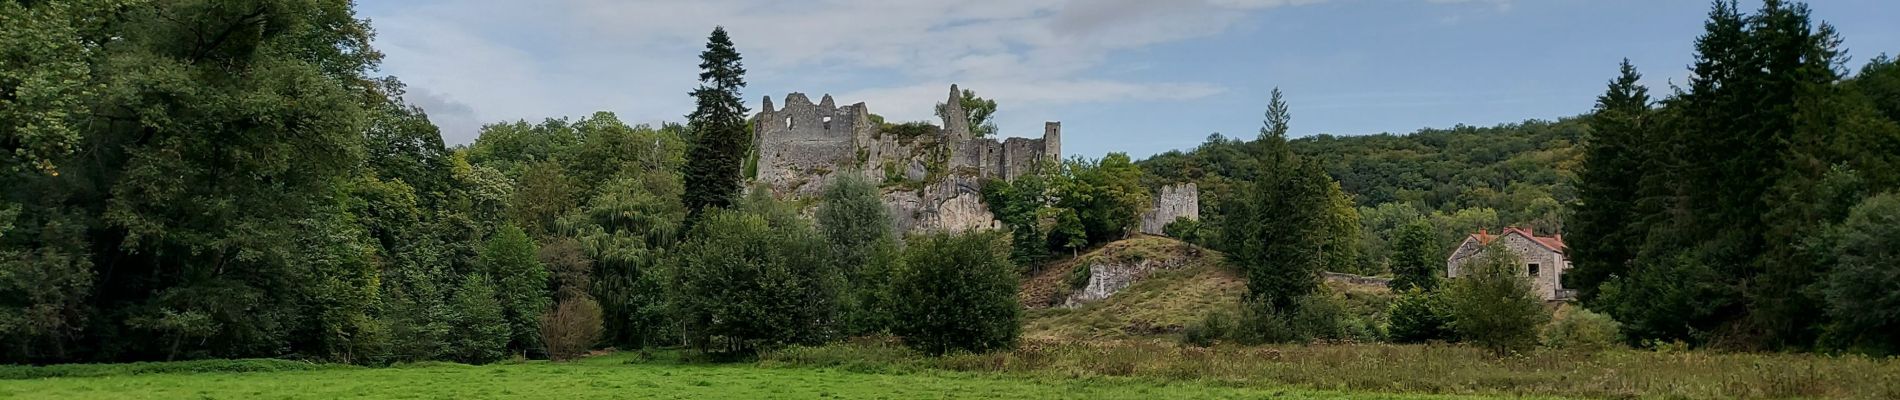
[(1462, 179), (229, 178), (1752, 208)]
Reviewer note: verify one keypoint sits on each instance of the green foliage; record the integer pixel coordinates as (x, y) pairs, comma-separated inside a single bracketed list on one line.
[(720, 139), (1492, 303), (1613, 168), (521, 282), (1417, 261), (864, 250), (981, 111), (1721, 250), (1209, 330), (628, 230), (1186, 229), (1578, 329), (1021, 205), (1068, 206), (1106, 194), (957, 293), (46, 57), (1859, 291), (1296, 223), (754, 279), (481, 330), (1418, 316)]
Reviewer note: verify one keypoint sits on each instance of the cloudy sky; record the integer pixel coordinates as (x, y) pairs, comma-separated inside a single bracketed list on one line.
[(1135, 76)]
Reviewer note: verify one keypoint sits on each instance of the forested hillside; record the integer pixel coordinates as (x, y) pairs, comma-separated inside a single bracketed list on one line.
[(1463, 178)]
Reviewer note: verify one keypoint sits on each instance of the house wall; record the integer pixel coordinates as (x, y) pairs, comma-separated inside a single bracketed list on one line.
[(1551, 264)]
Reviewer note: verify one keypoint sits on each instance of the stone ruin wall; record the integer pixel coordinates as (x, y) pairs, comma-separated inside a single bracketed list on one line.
[(1180, 200), (804, 146)]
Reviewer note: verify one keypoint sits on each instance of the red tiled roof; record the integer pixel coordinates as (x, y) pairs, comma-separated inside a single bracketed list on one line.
[(1554, 243)]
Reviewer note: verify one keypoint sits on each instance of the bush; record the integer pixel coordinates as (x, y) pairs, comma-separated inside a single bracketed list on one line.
[(1262, 323), (1575, 328), (754, 280), (571, 328), (1185, 229), (864, 250), (1211, 329), (957, 292), (1079, 276), (1493, 305), (1419, 316), (481, 328), (1320, 316)]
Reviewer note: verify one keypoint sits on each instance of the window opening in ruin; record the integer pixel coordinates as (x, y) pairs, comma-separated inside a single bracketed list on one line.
[(1533, 269), (788, 123), (827, 122)]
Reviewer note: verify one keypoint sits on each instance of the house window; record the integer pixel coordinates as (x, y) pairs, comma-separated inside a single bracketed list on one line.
[(1533, 269)]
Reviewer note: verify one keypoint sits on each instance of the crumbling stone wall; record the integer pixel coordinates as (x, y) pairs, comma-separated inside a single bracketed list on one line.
[(803, 146), (1181, 200), (939, 175)]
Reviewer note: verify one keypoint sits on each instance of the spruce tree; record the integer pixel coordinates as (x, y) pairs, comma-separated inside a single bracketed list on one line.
[(718, 126), (1278, 231), (1613, 167)]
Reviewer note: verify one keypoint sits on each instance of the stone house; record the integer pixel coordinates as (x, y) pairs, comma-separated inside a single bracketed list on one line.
[(1543, 258)]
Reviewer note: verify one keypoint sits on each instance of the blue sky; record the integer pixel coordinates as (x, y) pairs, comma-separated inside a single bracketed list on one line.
[(1135, 76)]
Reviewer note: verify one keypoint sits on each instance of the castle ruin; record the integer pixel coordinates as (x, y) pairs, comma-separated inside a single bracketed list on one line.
[(932, 175)]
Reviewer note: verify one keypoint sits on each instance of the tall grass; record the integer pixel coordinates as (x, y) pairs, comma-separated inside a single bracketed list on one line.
[(1435, 369)]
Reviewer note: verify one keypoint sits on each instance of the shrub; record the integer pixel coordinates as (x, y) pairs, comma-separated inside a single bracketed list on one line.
[(1575, 328), (1319, 316), (571, 328), (1260, 322), (1079, 276), (1211, 329), (1493, 305), (957, 292), (1419, 316), (1184, 228), (481, 328), (754, 280), (864, 250)]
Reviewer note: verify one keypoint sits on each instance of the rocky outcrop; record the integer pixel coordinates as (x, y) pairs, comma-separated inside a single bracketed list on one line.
[(1116, 268), (1181, 200), (954, 205)]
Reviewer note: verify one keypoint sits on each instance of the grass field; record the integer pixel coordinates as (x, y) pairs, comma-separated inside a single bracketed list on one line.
[(616, 376), (1400, 369)]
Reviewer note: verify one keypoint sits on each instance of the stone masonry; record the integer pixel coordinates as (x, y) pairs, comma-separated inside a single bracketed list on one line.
[(932, 180), (1180, 200), (1542, 259)]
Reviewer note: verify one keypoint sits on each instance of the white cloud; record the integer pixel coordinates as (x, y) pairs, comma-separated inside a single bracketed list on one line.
[(506, 59)]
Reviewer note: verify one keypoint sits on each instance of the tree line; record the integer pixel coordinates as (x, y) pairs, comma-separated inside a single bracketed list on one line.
[(226, 179), (1751, 208)]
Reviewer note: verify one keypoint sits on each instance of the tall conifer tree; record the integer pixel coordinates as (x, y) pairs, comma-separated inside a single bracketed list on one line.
[(1613, 168), (718, 125)]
